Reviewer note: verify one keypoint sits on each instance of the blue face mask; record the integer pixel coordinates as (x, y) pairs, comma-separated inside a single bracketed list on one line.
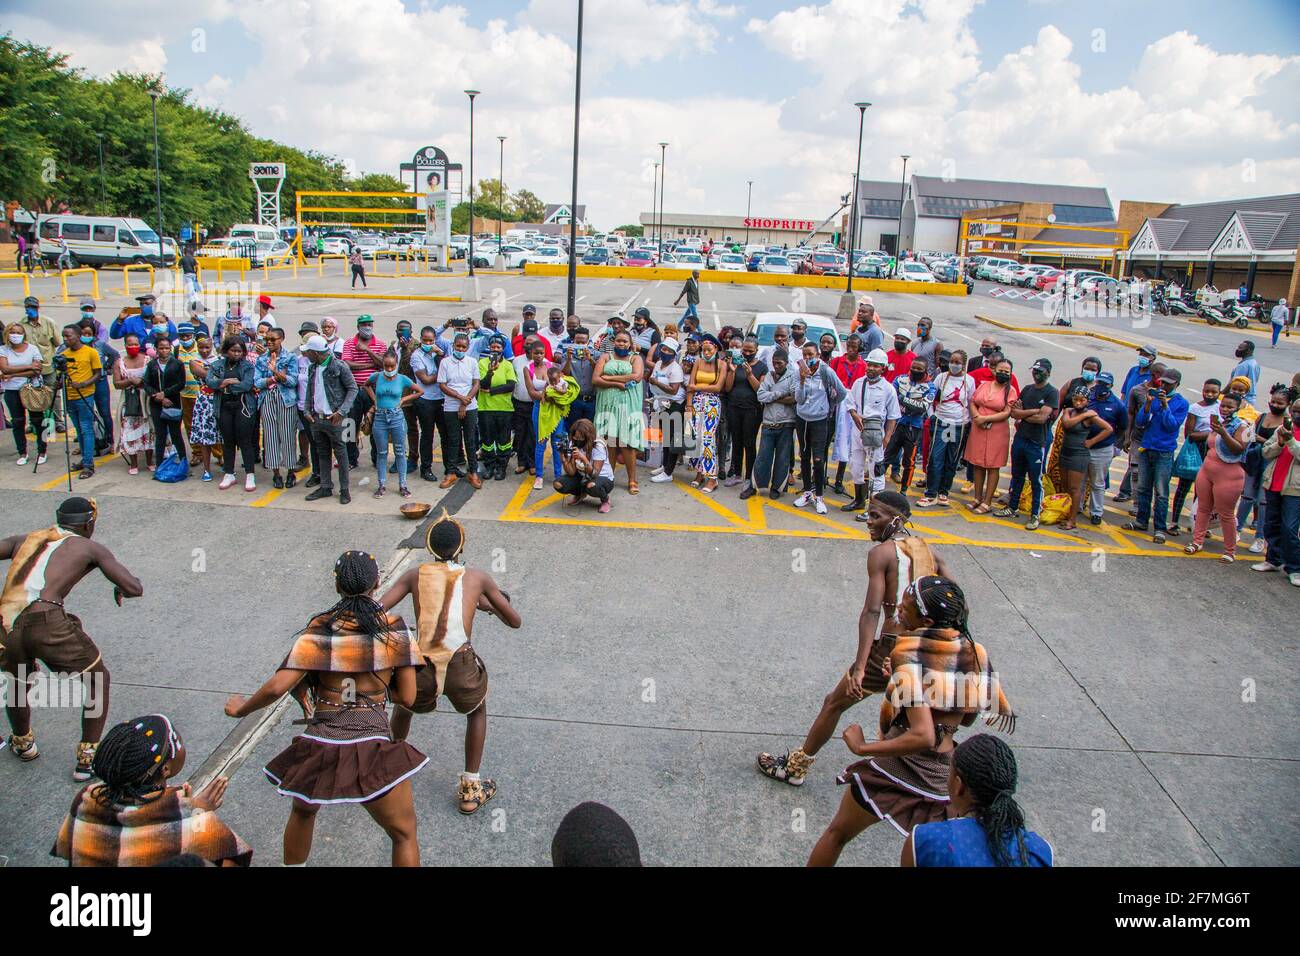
[(1143, 361), (146, 310), (1089, 375), (622, 353), (458, 353), (87, 339), (32, 313), (160, 327), (87, 313), (427, 348)]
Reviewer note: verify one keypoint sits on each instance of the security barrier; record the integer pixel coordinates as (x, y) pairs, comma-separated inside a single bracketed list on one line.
[(84, 270), (222, 264), (751, 278), (320, 261), (27, 283), (135, 267), (288, 262)]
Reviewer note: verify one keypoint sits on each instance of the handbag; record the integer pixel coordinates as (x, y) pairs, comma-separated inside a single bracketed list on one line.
[(36, 398), (1188, 461), (173, 468)]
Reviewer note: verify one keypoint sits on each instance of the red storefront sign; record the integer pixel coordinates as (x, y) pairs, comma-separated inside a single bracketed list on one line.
[(794, 224)]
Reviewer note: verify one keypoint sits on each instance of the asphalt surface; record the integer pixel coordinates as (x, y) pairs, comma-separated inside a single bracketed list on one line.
[(666, 644)]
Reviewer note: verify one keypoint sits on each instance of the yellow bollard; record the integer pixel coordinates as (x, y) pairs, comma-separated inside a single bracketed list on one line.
[(137, 266), (27, 283), (85, 270)]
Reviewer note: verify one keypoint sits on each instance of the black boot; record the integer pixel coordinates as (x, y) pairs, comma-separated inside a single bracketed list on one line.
[(859, 498)]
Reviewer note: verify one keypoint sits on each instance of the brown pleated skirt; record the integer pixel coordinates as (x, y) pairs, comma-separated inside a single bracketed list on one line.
[(346, 756), (902, 804)]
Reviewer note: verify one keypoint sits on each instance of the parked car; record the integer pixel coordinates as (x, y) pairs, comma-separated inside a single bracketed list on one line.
[(691, 260), (776, 264), (824, 264), (988, 269), (638, 259), (1045, 279), (596, 256), (764, 326), (912, 271), (730, 262), (543, 255), (101, 240)]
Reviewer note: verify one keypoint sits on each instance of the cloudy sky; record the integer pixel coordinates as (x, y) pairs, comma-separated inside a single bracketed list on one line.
[(1176, 100)]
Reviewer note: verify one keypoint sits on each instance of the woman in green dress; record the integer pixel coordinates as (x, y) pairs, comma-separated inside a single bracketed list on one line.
[(617, 379)]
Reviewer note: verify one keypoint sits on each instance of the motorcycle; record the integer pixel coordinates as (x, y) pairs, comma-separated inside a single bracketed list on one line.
[(1180, 306), (1215, 315)]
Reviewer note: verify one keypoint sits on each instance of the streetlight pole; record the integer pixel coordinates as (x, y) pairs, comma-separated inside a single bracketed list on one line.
[(573, 201), (663, 174), (103, 201), (157, 175), (501, 189), (902, 191), (471, 94), (654, 201), (857, 175), (749, 202)]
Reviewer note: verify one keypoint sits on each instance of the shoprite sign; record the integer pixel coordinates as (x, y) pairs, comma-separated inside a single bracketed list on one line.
[(801, 224)]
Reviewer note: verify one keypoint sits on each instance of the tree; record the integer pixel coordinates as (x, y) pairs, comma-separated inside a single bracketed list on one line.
[(526, 207), (635, 232)]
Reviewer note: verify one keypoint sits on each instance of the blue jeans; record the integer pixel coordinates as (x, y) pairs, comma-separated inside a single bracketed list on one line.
[(1281, 525), (539, 448), (1277, 330), (690, 311), (1026, 462), (772, 466), (945, 453), (580, 409), (82, 413), (1154, 471), (389, 424)]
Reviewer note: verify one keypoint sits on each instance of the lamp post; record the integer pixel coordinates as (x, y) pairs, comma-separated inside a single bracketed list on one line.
[(749, 201), (663, 174), (157, 174), (902, 191), (103, 201), (654, 201), (857, 175), (573, 201), (471, 94), (501, 189)]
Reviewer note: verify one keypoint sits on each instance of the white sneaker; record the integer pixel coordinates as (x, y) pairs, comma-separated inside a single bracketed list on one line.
[(1264, 566), (1259, 547), (661, 478), (250, 483), (22, 461), (657, 471), (819, 506), (1294, 579), (804, 500), (41, 459), (226, 482)]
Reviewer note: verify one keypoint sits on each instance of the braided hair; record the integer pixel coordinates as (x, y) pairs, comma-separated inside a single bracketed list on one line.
[(943, 602), (356, 575), (988, 768), (131, 758)]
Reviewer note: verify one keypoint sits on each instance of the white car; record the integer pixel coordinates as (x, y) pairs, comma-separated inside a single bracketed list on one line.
[(543, 255), (369, 246), (1008, 274), (776, 264), (912, 271), (764, 326), (730, 262), (336, 246), (691, 260)]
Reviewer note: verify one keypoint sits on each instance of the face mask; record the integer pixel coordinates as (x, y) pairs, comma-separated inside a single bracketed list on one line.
[(133, 350), (1040, 375), (392, 374), (1277, 410), (426, 348), (900, 345), (87, 339), (1088, 375), (1002, 377), (956, 368), (812, 364), (404, 334), (16, 339), (557, 325), (1143, 361), (146, 310), (986, 350), (187, 341), (916, 376), (458, 353), (87, 314), (364, 335), (159, 329), (32, 313), (624, 353), (922, 334)]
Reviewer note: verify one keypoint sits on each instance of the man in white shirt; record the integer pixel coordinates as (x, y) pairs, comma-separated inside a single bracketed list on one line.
[(459, 380), (866, 423), (555, 332)]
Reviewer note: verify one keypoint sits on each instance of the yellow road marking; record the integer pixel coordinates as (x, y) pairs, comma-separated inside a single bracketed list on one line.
[(263, 500), (62, 479)]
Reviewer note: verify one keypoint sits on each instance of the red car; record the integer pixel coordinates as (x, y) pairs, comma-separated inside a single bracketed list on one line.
[(1047, 279), (823, 264), (638, 259)]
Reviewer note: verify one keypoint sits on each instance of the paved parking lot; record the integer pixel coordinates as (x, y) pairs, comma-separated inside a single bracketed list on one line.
[(656, 656)]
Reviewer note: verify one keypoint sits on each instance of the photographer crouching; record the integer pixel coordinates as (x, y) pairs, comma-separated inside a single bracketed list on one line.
[(587, 471)]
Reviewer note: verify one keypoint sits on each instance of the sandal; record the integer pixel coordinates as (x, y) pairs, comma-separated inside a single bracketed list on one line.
[(472, 794), (290, 480), (981, 509), (710, 486), (633, 488), (405, 492), (379, 492), (1192, 549)]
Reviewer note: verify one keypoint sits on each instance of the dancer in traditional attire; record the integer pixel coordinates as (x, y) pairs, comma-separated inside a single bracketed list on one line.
[(940, 680), (899, 559), (349, 662), (446, 594), (44, 567), (133, 818)]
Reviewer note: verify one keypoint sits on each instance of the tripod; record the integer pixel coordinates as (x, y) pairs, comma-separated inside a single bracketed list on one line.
[(1061, 312)]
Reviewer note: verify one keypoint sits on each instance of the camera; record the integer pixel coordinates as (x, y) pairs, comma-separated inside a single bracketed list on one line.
[(564, 447), (60, 363)]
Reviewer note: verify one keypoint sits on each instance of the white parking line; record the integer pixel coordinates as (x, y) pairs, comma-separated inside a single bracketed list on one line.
[(579, 299), (632, 298), (761, 289), (717, 320), (1047, 340), (780, 306)]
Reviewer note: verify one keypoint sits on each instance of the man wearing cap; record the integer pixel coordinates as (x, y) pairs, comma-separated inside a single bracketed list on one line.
[(1111, 410), (306, 447), (187, 350), (798, 337), (364, 355), (519, 344), (580, 365), (1032, 412), (1161, 417), (690, 289), (264, 309), (529, 312), (899, 357), (480, 338), (867, 418), (87, 308), (617, 324), (331, 393), (44, 567), (145, 324), (555, 331)]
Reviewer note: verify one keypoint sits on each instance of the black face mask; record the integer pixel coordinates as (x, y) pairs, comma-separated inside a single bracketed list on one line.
[(900, 345), (986, 351), (1040, 376), (1002, 377), (916, 376)]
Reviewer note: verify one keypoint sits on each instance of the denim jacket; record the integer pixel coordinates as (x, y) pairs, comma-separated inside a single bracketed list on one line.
[(218, 370), (288, 389)]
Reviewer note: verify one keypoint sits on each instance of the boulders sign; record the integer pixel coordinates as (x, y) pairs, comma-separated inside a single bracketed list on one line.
[(801, 224), (431, 169)]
